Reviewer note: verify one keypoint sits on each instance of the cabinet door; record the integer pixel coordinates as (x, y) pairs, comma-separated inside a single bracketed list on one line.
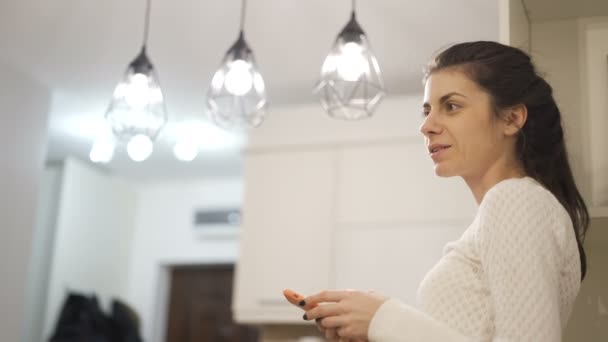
[(391, 260), (396, 183), (287, 222)]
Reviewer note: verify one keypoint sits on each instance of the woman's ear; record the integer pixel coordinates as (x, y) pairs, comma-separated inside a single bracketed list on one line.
[(514, 119)]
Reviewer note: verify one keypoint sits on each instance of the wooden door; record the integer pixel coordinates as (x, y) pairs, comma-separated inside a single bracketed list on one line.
[(199, 309)]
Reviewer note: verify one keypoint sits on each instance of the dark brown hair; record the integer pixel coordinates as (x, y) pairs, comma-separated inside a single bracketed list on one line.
[(508, 75)]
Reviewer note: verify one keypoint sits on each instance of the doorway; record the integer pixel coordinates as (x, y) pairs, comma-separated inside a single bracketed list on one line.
[(200, 306)]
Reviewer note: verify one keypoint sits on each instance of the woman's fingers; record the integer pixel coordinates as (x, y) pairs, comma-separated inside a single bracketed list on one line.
[(332, 322), (326, 296), (330, 334), (340, 332), (319, 325), (322, 311), (334, 330)]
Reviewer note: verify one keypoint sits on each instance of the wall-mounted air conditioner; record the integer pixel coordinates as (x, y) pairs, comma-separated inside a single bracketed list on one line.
[(217, 222)]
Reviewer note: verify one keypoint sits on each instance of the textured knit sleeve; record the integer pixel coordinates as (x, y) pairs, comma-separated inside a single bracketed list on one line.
[(398, 322), (520, 258)]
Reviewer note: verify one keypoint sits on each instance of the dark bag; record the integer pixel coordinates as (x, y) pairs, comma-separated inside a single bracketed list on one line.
[(81, 320), (125, 323)]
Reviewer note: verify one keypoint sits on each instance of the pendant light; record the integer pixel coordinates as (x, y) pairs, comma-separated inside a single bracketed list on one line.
[(351, 85), (236, 98), (137, 111)]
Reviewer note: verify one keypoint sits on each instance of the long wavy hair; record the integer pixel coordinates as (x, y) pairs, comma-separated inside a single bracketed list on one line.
[(508, 75)]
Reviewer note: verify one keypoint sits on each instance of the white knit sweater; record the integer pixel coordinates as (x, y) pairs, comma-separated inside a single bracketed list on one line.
[(513, 276)]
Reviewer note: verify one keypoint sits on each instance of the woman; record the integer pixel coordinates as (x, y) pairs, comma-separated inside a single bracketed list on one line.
[(516, 271)]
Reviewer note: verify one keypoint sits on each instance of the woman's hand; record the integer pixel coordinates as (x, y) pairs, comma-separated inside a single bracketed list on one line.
[(332, 336), (346, 314)]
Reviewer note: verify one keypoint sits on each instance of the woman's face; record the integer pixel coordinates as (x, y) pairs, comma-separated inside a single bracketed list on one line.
[(461, 132)]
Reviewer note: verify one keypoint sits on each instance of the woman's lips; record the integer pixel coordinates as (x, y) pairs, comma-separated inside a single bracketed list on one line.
[(437, 150)]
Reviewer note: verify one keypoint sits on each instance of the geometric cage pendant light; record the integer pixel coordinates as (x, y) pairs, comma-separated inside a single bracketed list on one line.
[(137, 111), (351, 84), (236, 98)]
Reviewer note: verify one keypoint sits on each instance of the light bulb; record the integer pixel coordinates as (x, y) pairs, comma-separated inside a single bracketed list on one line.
[(329, 65), (102, 151), (218, 80), (351, 64), (137, 93), (238, 79), (258, 83), (139, 147), (185, 151)]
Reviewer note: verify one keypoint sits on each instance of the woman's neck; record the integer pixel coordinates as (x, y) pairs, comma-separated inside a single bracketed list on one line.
[(480, 184)]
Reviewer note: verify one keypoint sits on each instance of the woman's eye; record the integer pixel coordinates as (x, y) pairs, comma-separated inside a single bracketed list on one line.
[(425, 113), (452, 106)]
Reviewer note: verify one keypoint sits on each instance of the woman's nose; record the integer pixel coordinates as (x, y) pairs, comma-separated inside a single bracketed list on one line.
[(430, 126)]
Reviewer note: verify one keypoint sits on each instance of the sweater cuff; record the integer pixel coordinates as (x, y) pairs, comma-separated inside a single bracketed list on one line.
[(385, 319)]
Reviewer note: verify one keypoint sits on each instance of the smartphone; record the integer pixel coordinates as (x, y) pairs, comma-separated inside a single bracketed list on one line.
[(295, 299)]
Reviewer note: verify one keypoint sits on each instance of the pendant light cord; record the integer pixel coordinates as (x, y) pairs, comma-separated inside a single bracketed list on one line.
[(353, 3), (243, 9), (147, 23)]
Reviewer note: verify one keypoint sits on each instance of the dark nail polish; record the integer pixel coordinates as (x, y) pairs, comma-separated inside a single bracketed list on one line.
[(302, 303), (305, 317)]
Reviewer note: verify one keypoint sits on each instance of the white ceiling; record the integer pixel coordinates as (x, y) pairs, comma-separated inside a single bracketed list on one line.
[(80, 49)]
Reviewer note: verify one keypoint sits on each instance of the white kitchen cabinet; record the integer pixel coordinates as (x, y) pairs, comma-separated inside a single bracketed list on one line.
[(287, 219), (394, 216), (396, 182), (341, 206), (391, 259)]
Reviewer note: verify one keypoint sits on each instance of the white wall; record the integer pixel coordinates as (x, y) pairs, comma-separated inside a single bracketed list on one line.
[(164, 236), (94, 231), (596, 95), (572, 53), (24, 105), (514, 25), (556, 55), (40, 263)]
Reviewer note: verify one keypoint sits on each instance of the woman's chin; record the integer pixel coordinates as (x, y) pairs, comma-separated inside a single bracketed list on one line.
[(442, 171)]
